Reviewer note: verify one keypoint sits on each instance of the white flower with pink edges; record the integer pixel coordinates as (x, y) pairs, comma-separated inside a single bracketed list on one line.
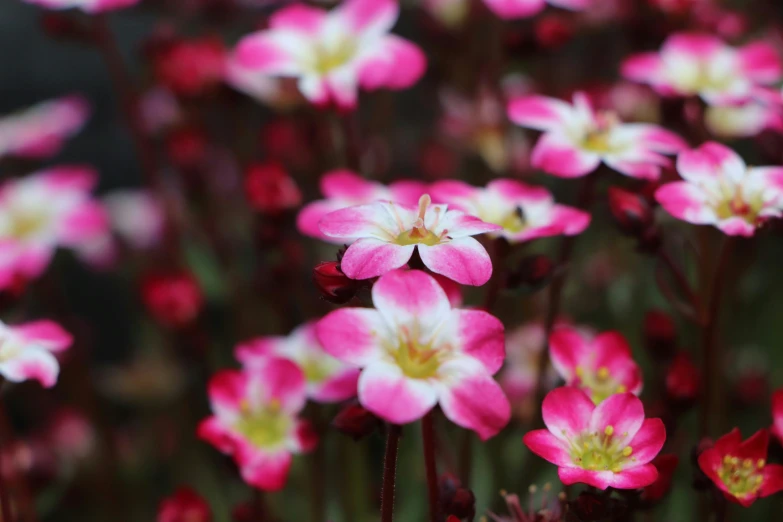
[(28, 351)]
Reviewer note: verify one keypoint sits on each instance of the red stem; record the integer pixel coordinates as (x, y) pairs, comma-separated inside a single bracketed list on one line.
[(428, 437), (5, 497), (389, 473)]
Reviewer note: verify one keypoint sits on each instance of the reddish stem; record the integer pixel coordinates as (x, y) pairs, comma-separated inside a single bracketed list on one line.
[(389, 473), (5, 497), (428, 438)]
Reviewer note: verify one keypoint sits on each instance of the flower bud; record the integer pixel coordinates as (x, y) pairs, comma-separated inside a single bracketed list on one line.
[(682, 379), (632, 213), (173, 298), (184, 506), (459, 501), (553, 31), (355, 421), (532, 272), (270, 189), (190, 67), (334, 286), (660, 334)]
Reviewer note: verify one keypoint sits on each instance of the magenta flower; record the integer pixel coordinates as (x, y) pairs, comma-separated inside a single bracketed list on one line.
[(343, 189), (525, 212), (720, 190), (512, 9), (333, 54), (702, 65), (255, 420), (609, 445), (777, 415), (384, 236), (601, 365), (577, 139), (328, 379), (416, 351), (39, 131), (27, 351), (88, 6)]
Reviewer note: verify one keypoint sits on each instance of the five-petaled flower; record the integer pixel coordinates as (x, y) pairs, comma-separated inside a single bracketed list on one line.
[(720, 189), (384, 236), (328, 379), (333, 54), (739, 468), (609, 445), (577, 139), (512, 9), (27, 351), (601, 366), (525, 212), (255, 420), (416, 351)]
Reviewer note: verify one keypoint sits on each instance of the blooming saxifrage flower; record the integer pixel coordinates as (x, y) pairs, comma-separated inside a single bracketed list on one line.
[(609, 445), (511, 9), (739, 468), (525, 212), (384, 236), (333, 54), (416, 351), (720, 189), (255, 420), (328, 379), (27, 351), (577, 139), (600, 365)]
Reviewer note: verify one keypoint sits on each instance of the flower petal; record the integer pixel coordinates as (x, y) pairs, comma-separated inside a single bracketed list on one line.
[(368, 17), (539, 112), (686, 201), (280, 381), (32, 363), (395, 64), (407, 297), (710, 162), (567, 349), (773, 480), (635, 477), (567, 412), (371, 257), (648, 441), (556, 155), (598, 479), (45, 333), (624, 412), (481, 336), (464, 260), (548, 447), (386, 392), (352, 335), (298, 17), (266, 471)]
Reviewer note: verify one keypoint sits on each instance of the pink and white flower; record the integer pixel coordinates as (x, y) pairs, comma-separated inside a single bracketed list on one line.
[(519, 377), (88, 6), (42, 211), (255, 420), (512, 9), (691, 64), (28, 351), (39, 131), (609, 445), (137, 216), (416, 351), (384, 235), (525, 212), (344, 188), (577, 139), (742, 121), (269, 90), (328, 379), (600, 365), (333, 54), (720, 189)]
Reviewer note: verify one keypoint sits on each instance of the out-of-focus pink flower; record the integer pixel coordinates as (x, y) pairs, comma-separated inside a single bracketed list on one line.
[(255, 420), (525, 212), (190, 67), (739, 468), (384, 235), (702, 65), (601, 365), (137, 216), (270, 189), (511, 9), (280, 93), (328, 379), (173, 298), (88, 6), (450, 13), (159, 110), (27, 351), (185, 505), (415, 351), (42, 211), (577, 139), (333, 54), (519, 378), (344, 188), (745, 120), (39, 131), (719, 189), (609, 445), (777, 415), (71, 435)]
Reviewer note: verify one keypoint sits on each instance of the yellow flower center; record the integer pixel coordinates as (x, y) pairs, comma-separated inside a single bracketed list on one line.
[(598, 138), (419, 234), (417, 360), (26, 224), (264, 428), (734, 202), (599, 383), (314, 370), (601, 451), (741, 477), (328, 59)]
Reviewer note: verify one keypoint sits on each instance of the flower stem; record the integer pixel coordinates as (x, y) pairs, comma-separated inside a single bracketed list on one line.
[(428, 438), (5, 497), (389, 473)]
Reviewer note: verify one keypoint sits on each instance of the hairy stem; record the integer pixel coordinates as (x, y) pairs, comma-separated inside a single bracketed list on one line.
[(389, 472), (428, 438)]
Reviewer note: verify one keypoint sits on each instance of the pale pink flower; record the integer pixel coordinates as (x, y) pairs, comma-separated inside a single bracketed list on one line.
[(88, 6), (609, 445), (334, 53), (40, 131), (416, 351), (577, 139), (511, 9), (719, 189), (344, 188), (745, 120), (328, 379), (450, 13), (255, 420), (525, 212), (28, 351), (137, 216), (524, 349), (384, 235), (702, 65)]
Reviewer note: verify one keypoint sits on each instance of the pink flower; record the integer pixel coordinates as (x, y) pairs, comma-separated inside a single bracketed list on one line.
[(343, 189), (720, 190), (577, 139), (740, 470), (39, 131), (524, 349), (88, 6), (511, 9), (525, 212), (328, 379), (185, 505), (777, 415), (416, 351), (172, 297), (137, 216), (42, 211), (190, 67), (27, 351), (601, 366), (255, 420), (609, 445), (702, 65), (333, 54), (384, 236), (740, 121), (270, 189)]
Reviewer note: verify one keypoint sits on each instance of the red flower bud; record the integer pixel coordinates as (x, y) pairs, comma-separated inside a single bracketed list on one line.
[(186, 147), (355, 421), (631, 212), (334, 286), (660, 334), (185, 505), (174, 299), (666, 464), (190, 67), (270, 189), (455, 499), (553, 31), (682, 379)]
